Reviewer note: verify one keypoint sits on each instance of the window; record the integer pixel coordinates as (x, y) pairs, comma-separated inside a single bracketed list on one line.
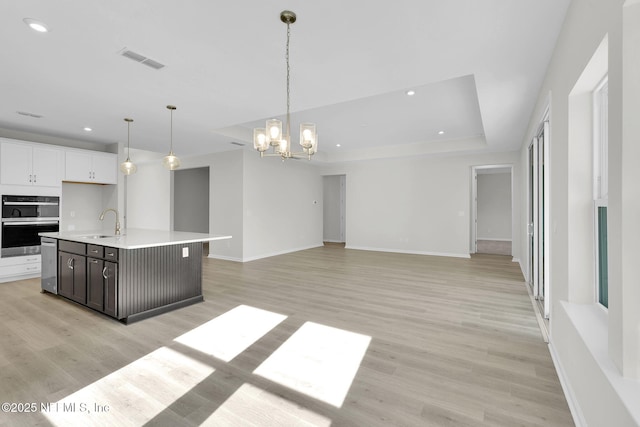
[(600, 188)]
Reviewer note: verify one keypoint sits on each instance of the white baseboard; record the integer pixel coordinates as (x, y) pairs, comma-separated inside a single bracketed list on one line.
[(287, 251), (514, 259), (574, 407), (493, 239), (400, 251), (333, 241), (225, 258)]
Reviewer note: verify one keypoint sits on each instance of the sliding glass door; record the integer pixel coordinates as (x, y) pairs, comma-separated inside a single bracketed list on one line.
[(537, 213)]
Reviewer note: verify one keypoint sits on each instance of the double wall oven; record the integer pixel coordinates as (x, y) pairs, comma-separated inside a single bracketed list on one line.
[(23, 217)]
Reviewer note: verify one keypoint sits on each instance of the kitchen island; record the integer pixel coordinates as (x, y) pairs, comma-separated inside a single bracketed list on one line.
[(132, 276)]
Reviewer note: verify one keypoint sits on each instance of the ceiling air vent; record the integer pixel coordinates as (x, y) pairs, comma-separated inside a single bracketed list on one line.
[(240, 144), (24, 113), (141, 59)]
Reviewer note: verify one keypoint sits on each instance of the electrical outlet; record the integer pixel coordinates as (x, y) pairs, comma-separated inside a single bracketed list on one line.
[(185, 252)]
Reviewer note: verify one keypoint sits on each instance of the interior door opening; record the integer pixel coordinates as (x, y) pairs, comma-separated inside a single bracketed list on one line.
[(492, 210), (334, 209)]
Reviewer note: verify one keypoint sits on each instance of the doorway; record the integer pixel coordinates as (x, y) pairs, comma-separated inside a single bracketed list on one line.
[(334, 209), (492, 211), (190, 211)]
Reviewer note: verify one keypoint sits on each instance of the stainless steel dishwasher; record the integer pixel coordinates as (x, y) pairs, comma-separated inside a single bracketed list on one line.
[(49, 251)]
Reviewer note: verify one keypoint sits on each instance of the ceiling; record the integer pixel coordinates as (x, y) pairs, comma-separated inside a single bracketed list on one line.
[(476, 68)]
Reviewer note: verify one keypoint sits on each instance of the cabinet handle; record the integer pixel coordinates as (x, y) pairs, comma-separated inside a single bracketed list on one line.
[(35, 178), (71, 260), (95, 251), (110, 253), (104, 272), (94, 261)]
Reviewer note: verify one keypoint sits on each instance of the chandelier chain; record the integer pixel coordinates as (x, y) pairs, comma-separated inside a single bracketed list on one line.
[(171, 132), (288, 83)]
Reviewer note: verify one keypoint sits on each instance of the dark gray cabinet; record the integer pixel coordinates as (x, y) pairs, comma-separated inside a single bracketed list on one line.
[(130, 284), (88, 274), (72, 271), (102, 279)]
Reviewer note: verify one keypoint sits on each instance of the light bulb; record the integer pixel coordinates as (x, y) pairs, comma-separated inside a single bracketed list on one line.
[(128, 167), (273, 131), (171, 162), (306, 134)]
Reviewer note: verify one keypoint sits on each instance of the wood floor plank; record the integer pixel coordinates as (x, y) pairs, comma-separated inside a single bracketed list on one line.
[(453, 342)]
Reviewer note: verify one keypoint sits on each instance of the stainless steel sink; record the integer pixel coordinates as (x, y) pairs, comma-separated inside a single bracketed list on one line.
[(100, 236)]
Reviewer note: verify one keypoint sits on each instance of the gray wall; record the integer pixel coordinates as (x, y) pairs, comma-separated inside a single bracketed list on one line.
[(331, 208), (191, 200), (494, 206)]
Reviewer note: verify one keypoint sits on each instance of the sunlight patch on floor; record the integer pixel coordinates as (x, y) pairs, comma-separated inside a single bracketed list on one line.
[(251, 405), (317, 360), (231, 333), (133, 394)]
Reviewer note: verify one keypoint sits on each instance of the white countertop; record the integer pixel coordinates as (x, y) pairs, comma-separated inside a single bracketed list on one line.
[(134, 238)]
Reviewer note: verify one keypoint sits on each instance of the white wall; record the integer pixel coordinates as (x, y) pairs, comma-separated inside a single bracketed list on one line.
[(494, 206), (282, 206), (225, 200), (148, 194), (597, 352), (82, 204), (414, 205), (266, 205)]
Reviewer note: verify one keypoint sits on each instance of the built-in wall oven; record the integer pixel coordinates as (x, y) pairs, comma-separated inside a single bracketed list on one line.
[(23, 217)]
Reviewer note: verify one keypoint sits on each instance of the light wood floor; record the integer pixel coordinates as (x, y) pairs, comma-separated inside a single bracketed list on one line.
[(454, 342)]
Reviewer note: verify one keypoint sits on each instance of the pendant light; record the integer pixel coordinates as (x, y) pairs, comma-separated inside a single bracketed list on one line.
[(272, 136), (128, 167), (171, 161)]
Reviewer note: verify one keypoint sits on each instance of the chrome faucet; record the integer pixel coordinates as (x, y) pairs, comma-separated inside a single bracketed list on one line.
[(117, 218)]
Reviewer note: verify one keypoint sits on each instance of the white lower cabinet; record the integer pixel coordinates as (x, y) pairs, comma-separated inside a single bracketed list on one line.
[(19, 267)]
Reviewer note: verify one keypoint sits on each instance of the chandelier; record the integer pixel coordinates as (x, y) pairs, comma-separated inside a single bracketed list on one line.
[(271, 135)]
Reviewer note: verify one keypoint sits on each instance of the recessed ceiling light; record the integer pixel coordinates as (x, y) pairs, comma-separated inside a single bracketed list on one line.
[(441, 132), (87, 129), (35, 25), (410, 92), (337, 145)]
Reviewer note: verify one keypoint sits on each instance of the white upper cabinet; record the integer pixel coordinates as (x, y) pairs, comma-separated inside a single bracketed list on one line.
[(30, 164), (91, 166)]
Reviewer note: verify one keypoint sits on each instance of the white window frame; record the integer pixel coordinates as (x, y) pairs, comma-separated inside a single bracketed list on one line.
[(600, 169), (601, 140)]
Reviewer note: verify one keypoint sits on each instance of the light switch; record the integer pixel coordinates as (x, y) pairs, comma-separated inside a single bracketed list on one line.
[(185, 252)]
